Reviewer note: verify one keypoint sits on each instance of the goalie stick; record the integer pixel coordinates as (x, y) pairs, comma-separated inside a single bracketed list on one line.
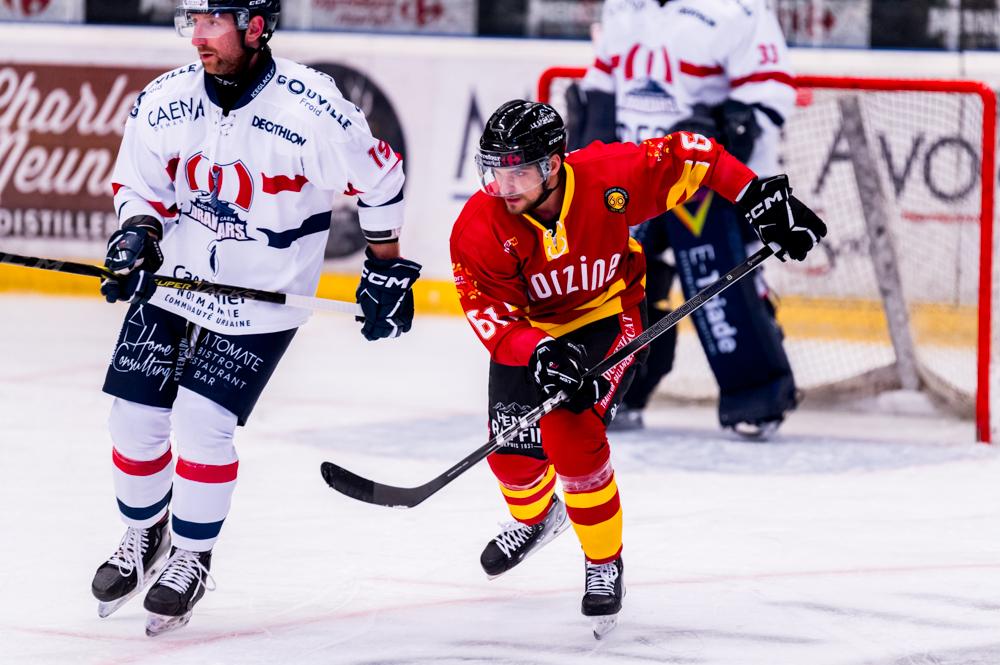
[(356, 487), (195, 285)]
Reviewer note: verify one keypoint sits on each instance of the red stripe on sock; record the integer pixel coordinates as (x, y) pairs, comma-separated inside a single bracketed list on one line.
[(534, 496), (206, 473), (606, 559), (596, 514), (138, 467)]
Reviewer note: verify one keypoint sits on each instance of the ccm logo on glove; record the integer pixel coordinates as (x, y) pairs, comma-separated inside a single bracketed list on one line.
[(388, 281), (386, 296), (764, 206)]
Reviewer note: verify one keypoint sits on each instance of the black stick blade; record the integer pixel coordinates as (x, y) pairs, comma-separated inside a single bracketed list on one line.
[(354, 486), (347, 483)]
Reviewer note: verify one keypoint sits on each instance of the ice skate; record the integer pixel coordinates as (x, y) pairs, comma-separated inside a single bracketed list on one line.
[(757, 431), (626, 420), (171, 600), (602, 599), (139, 558), (516, 541)]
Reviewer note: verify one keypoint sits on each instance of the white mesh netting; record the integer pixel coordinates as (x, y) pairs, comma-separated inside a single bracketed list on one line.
[(924, 149)]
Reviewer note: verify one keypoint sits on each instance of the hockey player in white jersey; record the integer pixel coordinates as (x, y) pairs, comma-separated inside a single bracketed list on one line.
[(227, 172), (718, 68)]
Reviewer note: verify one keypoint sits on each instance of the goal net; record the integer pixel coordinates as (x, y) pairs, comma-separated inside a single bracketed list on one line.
[(899, 294)]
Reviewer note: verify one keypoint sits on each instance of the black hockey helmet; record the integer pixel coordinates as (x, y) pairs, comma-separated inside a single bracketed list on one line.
[(242, 11), (519, 134)]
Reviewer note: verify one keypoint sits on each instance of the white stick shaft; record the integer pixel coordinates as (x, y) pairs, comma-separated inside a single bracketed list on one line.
[(324, 304)]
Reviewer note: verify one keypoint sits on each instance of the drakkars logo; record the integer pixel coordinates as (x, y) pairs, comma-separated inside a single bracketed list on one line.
[(219, 190)]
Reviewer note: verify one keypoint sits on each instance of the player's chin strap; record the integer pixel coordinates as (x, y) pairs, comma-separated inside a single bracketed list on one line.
[(547, 191), (244, 78)]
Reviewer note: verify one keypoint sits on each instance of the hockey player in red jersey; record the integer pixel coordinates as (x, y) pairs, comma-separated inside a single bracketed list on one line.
[(552, 283)]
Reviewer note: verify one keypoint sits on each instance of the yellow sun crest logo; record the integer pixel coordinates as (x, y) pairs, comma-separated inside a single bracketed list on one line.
[(615, 199)]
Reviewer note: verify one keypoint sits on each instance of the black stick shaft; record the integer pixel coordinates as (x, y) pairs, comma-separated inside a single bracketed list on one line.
[(195, 285), (671, 319), (369, 491)]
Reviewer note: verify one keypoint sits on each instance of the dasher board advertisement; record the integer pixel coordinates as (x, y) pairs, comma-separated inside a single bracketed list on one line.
[(68, 11)]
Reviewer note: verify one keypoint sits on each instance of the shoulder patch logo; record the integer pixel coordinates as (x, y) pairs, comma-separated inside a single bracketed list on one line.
[(616, 199)]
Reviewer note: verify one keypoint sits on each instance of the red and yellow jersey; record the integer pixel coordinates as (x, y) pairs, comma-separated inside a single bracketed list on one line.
[(520, 281)]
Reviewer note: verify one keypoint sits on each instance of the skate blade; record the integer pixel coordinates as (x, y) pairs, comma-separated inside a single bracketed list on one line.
[(604, 625), (157, 624), (762, 432), (106, 609)]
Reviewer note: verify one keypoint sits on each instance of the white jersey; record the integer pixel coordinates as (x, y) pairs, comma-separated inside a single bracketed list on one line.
[(660, 61), (246, 198)]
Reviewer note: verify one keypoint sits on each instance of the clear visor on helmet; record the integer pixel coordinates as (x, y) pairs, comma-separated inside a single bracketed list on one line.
[(208, 24), (505, 181)]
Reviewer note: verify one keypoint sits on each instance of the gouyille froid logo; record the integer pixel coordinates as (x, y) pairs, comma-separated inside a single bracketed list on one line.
[(616, 199)]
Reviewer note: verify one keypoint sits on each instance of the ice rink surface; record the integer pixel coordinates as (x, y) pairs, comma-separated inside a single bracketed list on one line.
[(849, 540)]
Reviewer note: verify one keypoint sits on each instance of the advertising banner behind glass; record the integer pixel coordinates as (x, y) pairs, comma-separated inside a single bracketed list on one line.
[(60, 126), (457, 17), (826, 22), (69, 11)]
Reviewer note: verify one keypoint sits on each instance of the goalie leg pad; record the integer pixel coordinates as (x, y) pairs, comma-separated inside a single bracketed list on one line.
[(737, 330)]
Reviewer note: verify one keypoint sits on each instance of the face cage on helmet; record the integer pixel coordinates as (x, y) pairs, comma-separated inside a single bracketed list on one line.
[(509, 181)]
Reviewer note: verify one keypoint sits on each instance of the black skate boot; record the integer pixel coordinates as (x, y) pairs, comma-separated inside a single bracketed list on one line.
[(171, 599), (516, 541), (602, 599), (139, 557)]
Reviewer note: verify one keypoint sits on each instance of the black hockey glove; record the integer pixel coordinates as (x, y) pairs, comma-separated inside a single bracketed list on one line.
[(134, 254), (590, 116), (738, 127), (780, 218), (386, 296), (701, 121), (558, 365), (137, 286)]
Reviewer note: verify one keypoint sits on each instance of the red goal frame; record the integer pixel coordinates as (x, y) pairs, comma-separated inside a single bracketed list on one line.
[(988, 180)]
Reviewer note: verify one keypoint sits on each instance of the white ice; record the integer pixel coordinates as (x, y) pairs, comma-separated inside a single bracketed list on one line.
[(851, 539)]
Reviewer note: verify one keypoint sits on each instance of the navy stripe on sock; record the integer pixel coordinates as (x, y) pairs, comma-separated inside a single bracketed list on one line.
[(142, 514), (196, 530)]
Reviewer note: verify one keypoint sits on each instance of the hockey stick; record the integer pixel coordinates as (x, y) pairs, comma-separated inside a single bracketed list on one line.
[(194, 285), (369, 491)]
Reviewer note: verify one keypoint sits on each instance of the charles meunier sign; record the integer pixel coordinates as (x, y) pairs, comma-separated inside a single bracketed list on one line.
[(60, 127)]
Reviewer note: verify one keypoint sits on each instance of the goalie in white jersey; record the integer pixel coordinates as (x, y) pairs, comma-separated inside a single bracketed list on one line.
[(718, 68), (227, 172)]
